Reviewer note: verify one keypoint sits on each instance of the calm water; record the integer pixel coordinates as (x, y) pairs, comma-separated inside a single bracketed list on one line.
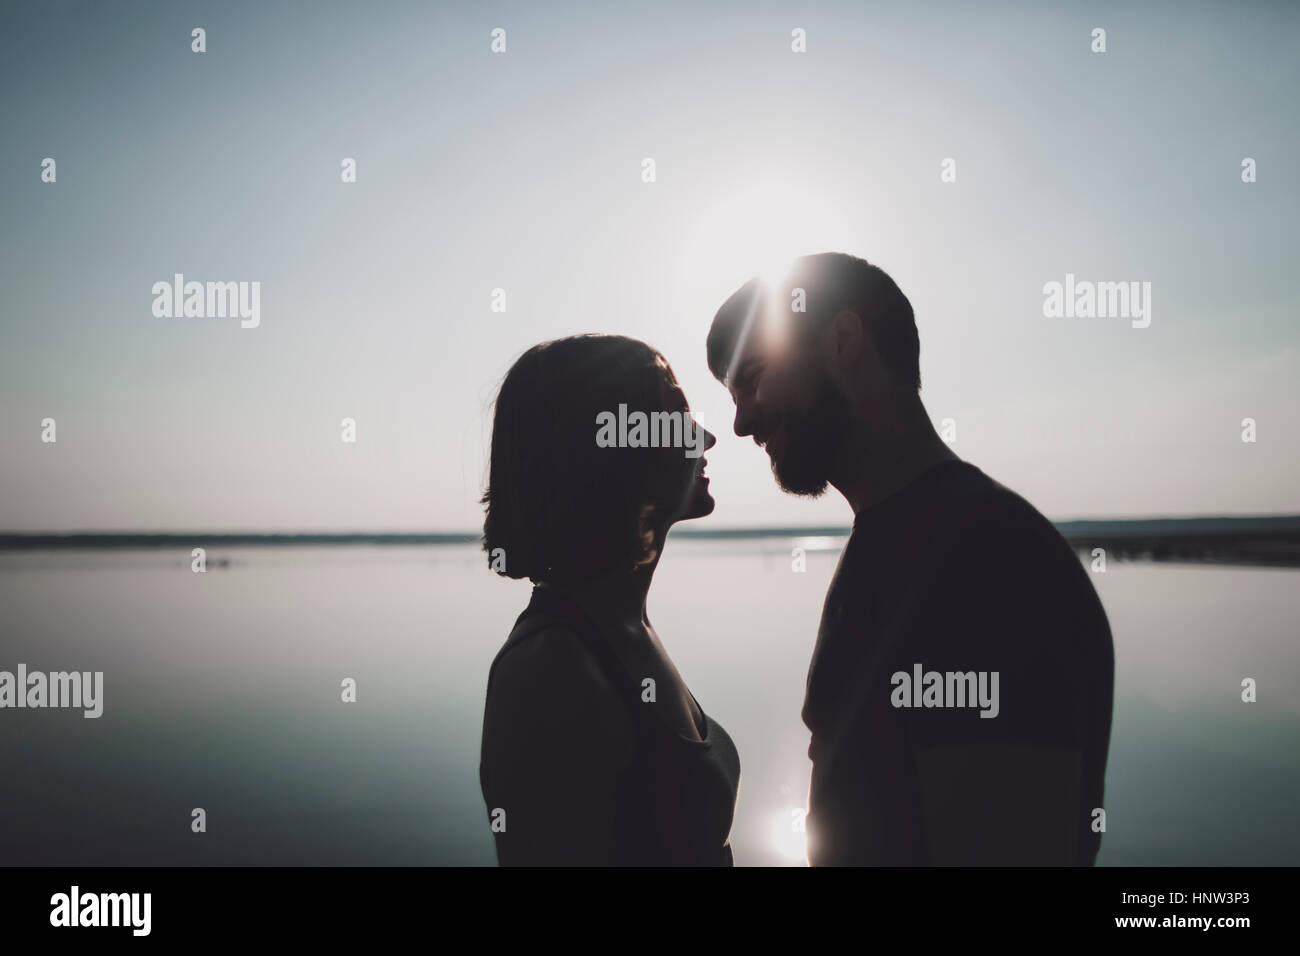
[(222, 692)]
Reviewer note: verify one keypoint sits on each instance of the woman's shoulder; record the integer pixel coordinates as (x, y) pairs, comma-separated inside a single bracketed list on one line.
[(544, 682), (543, 652)]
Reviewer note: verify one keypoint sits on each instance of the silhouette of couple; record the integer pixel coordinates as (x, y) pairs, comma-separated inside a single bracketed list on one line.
[(950, 587)]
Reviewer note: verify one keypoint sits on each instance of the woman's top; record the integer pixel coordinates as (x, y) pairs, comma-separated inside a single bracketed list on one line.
[(676, 797)]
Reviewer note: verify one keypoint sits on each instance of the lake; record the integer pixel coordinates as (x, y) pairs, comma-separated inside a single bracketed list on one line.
[(222, 691)]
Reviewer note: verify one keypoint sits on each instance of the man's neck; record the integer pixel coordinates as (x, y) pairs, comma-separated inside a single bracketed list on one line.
[(876, 463)]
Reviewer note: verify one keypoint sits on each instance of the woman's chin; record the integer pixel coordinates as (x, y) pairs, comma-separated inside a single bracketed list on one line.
[(703, 504), (699, 504)]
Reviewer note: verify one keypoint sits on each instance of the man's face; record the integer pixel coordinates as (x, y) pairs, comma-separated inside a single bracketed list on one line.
[(786, 401)]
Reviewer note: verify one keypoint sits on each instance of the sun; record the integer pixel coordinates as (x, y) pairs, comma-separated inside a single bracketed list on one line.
[(757, 227)]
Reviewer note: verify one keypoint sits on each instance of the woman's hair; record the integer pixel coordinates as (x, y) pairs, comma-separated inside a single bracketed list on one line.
[(558, 505)]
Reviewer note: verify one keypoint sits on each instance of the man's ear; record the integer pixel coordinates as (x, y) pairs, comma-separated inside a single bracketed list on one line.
[(846, 335)]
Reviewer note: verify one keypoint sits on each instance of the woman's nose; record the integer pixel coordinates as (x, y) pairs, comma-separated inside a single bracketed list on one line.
[(710, 439)]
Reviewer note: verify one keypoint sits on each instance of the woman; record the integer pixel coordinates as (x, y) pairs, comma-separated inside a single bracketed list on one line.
[(594, 751)]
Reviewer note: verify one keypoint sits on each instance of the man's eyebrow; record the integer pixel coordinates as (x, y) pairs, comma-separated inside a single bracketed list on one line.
[(746, 367)]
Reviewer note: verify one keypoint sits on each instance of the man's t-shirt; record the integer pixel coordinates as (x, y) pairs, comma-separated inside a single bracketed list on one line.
[(955, 598)]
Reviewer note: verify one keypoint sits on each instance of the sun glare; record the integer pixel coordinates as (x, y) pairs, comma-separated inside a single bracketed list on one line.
[(787, 836), (758, 228)]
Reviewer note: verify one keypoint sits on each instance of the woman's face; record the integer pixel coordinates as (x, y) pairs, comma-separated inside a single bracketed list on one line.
[(687, 493)]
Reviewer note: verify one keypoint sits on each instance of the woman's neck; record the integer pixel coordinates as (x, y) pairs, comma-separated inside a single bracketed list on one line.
[(615, 597)]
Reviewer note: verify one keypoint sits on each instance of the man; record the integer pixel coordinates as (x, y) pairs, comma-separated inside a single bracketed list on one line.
[(959, 694)]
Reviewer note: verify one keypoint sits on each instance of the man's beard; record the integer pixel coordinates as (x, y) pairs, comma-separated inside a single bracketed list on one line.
[(813, 436)]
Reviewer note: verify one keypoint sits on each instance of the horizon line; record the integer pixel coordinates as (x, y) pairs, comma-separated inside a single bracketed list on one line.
[(1270, 525)]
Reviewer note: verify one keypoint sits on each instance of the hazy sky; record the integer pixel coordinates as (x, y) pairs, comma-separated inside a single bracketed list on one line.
[(523, 171)]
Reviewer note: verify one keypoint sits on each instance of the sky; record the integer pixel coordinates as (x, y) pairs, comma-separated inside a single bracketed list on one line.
[(522, 170)]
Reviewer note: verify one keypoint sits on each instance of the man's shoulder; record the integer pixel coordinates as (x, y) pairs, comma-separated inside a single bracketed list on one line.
[(984, 514), (990, 542), (1008, 554), (953, 511)]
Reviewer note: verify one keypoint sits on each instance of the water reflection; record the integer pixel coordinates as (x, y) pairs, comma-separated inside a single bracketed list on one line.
[(222, 691)]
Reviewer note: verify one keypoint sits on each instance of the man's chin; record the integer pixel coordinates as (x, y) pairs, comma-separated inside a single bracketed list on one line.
[(793, 483)]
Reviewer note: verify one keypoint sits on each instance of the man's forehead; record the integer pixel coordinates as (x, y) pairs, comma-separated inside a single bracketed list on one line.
[(751, 351), (765, 331), (754, 352)]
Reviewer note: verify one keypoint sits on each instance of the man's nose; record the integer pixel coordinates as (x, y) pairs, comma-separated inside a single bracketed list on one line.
[(745, 418)]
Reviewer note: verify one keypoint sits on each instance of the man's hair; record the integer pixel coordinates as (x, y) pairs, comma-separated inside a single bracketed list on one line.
[(557, 504), (832, 282)]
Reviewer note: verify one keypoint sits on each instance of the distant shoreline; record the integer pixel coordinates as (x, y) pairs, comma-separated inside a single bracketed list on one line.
[(1272, 540)]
